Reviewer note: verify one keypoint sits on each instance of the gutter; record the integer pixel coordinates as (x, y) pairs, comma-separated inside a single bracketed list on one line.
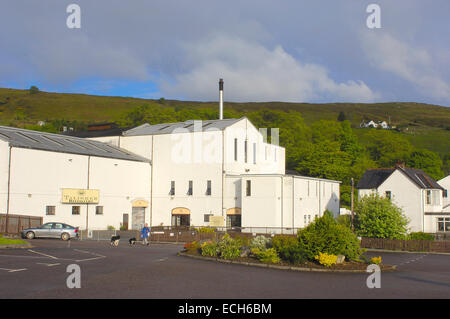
[(9, 189)]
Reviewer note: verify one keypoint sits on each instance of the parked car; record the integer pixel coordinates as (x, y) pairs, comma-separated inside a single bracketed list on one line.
[(51, 230)]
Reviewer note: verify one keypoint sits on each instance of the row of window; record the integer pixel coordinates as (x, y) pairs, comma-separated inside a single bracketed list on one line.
[(254, 152), (51, 210), (190, 191)]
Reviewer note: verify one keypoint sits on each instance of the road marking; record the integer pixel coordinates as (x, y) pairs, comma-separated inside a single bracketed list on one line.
[(13, 270), (162, 259), (48, 265), (90, 253), (36, 252)]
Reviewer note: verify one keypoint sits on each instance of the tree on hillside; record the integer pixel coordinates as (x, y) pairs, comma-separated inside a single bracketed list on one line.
[(387, 148), (34, 89), (378, 217), (428, 161), (341, 117)]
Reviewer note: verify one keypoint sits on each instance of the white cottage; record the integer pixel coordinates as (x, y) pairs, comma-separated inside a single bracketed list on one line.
[(419, 195)]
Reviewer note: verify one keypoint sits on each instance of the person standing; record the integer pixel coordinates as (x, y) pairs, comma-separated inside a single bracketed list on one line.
[(145, 234)]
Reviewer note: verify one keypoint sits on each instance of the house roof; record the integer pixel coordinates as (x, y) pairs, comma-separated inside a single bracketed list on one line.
[(373, 178), (22, 138), (180, 127)]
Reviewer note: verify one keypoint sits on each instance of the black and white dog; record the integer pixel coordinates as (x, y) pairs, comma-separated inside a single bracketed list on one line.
[(115, 240), (132, 241)]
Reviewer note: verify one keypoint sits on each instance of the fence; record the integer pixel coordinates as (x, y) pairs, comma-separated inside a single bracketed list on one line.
[(14, 224), (440, 246)]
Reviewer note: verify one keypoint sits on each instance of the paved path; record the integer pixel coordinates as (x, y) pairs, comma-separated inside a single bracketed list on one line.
[(157, 272)]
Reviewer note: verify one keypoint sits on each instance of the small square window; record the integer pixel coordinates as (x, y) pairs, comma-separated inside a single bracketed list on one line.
[(50, 210), (206, 217), (75, 210), (98, 210)]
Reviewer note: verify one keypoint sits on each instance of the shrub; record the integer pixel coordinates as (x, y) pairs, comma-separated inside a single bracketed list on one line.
[(375, 260), (325, 235), (289, 249), (325, 259), (206, 230), (110, 227), (378, 217), (229, 248), (192, 246), (345, 220), (209, 249), (266, 255), (419, 236), (33, 89), (261, 242)]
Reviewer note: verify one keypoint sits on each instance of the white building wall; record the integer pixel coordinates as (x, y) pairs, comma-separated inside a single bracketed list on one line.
[(4, 164), (445, 183), (38, 177)]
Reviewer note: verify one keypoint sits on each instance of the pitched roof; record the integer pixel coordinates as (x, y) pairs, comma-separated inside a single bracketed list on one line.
[(22, 138), (373, 178), (180, 127)]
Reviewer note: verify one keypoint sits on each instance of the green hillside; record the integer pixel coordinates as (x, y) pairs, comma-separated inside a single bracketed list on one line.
[(316, 143)]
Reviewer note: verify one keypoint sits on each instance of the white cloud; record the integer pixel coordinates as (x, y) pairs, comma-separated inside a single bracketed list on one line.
[(418, 66), (254, 73)]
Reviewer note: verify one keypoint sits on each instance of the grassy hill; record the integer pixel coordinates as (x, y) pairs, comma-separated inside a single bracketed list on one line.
[(428, 125)]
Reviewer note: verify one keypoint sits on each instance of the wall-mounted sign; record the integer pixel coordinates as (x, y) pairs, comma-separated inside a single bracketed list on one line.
[(216, 221), (181, 211), (234, 211), (80, 196)]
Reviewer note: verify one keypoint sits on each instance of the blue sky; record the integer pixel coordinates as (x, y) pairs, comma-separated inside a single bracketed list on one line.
[(296, 51)]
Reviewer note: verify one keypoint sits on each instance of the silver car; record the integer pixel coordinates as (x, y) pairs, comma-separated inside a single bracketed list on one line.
[(51, 230)]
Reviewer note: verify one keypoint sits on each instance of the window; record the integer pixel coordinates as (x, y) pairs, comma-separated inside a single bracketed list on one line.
[(248, 190), (208, 188), (58, 226), (254, 153), (309, 219), (50, 210), (304, 219), (172, 188), (245, 151), (444, 224), (428, 197), (206, 217), (235, 149), (444, 193), (190, 190), (432, 197), (388, 195), (98, 210), (75, 210)]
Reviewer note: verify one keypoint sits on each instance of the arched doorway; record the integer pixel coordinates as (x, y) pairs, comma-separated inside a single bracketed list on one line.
[(234, 217), (138, 214), (181, 216)]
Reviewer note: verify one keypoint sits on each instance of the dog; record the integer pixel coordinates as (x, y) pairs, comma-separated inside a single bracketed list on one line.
[(132, 241), (115, 240)]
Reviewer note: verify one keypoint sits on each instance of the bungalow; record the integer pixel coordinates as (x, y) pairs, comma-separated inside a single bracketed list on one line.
[(419, 195)]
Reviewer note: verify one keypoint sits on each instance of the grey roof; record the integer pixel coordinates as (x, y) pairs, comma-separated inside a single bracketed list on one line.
[(22, 138), (373, 178), (180, 127)]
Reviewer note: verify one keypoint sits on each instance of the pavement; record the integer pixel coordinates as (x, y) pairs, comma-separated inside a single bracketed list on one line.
[(156, 272)]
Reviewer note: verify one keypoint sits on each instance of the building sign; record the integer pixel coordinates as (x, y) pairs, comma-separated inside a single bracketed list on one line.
[(140, 203), (80, 196), (216, 221), (181, 211), (234, 211)]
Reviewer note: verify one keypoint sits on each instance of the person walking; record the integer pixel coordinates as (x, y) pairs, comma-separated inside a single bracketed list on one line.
[(145, 234)]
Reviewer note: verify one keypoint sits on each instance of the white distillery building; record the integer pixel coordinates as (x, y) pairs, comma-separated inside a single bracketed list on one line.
[(198, 173), (223, 173), (420, 196)]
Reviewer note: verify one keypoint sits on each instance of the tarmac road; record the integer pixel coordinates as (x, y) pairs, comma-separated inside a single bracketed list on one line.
[(157, 272)]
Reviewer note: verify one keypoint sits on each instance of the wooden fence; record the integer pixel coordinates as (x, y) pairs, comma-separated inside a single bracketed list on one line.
[(439, 246), (14, 224)]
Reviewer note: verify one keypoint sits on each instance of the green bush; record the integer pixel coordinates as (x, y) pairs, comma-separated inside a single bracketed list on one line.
[(261, 242), (325, 235), (206, 230), (266, 255), (289, 249), (378, 217), (345, 220), (209, 249), (111, 228), (419, 236), (229, 248)]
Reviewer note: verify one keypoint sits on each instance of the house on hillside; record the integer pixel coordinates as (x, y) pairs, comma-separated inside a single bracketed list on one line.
[(419, 195), (373, 124)]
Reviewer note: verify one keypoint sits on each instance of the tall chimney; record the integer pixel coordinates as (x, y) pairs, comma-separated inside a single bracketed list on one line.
[(221, 99)]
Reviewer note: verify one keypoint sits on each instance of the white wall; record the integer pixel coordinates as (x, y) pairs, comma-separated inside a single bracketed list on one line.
[(445, 183), (4, 164), (38, 177)]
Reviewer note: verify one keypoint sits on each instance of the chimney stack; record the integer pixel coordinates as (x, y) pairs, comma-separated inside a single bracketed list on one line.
[(221, 99)]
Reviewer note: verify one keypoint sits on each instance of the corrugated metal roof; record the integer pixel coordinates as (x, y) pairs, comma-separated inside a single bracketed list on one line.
[(180, 127), (22, 138)]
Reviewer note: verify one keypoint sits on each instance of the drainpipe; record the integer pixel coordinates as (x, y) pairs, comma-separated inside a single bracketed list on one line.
[(293, 203), (87, 205), (9, 190), (223, 179), (281, 204), (151, 184)]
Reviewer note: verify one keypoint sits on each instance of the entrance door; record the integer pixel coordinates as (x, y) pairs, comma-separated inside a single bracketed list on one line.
[(181, 220), (138, 218)]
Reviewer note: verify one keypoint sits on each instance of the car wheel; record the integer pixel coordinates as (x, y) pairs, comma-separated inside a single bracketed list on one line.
[(30, 235), (65, 236)]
